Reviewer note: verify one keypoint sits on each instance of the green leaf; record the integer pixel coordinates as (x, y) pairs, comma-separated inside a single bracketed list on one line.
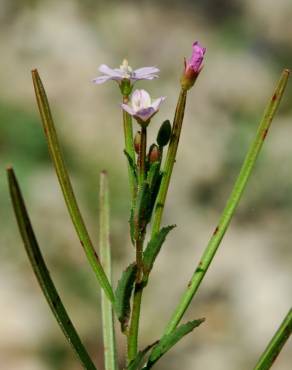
[(276, 344), (138, 361), (153, 175), (153, 248), (169, 340), (132, 167), (123, 295), (164, 133), (132, 225), (42, 273), (65, 183), (142, 210)]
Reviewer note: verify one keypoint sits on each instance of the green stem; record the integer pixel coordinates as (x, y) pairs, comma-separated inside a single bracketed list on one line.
[(142, 157), (134, 326), (65, 183), (169, 162), (135, 317), (276, 344), (42, 273), (141, 176), (109, 340), (129, 144), (239, 186)]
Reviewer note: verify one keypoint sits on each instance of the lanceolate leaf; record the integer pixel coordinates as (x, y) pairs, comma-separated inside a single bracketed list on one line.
[(132, 225), (142, 211), (65, 183), (169, 340), (42, 273), (153, 248), (132, 167), (123, 295), (138, 362), (154, 179)]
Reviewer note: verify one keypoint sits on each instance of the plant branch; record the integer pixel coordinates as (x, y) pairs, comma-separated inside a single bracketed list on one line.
[(231, 205), (169, 162)]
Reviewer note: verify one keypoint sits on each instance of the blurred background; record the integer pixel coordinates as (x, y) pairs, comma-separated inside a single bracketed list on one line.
[(247, 291)]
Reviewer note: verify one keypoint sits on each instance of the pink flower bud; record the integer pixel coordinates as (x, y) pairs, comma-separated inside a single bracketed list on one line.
[(193, 66)]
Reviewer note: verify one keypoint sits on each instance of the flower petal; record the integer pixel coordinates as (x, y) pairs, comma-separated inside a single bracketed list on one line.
[(128, 109), (140, 99), (145, 114), (101, 79), (103, 68), (156, 103), (144, 71)]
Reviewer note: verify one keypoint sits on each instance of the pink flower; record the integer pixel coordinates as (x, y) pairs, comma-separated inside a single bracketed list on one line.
[(141, 107), (193, 66), (125, 72)]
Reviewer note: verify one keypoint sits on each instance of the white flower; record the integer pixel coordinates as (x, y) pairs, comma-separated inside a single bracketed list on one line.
[(141, 106), (125, 72)]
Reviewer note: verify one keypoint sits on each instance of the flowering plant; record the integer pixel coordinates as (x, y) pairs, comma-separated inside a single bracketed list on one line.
[(149, 178)]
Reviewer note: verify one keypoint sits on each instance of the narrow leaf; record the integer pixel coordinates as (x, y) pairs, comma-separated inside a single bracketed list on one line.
[(276, 344), (153, 248), (142, 211), (139, 360), (169, 340), (123, 295), (109, 338), (65, 183), (153, 176), (132, 167), (132, 224), (41, 271)]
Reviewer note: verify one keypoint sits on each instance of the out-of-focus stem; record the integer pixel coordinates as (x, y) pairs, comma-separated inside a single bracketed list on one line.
[(109, 339)]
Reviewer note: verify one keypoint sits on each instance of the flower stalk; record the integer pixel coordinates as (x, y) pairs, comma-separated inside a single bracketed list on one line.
[(231, 205), (169, 162), (129, 145)]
